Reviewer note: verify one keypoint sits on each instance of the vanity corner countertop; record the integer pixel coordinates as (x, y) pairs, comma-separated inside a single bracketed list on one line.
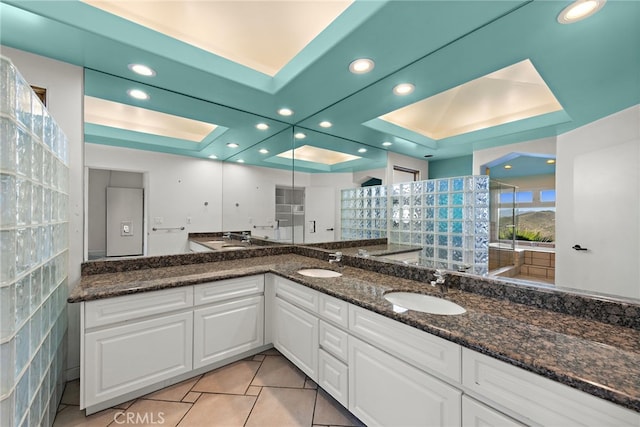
[(595, 357)]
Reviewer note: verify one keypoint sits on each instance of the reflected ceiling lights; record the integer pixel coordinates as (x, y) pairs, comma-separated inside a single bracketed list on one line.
[(362, 150), (138, 94), (310, 153), (508, 166), (240, 161), (142, 70), (325, 124), (300, 135), (403, 89), (263, 151), (285, 112), (551, 161), (387, 143), (361, 66), (213, 156), (232, 145), (262, 126), (579, 10)]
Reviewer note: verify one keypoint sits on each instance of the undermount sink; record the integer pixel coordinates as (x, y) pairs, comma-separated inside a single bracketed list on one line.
[(319, 272), (234, 247), (403, 301)]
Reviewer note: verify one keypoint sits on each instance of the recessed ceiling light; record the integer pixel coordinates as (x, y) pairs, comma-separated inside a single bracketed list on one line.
[(361, 66), (579, 10), (240, 161), (143, 70), (403, 89), (325, 124), (551, 161), (300, 135), (213, 156), (262, 126), (387, 143), (263, 150), (508, 166), (362, 150), (232, 145), (138, 94), (285, 112)]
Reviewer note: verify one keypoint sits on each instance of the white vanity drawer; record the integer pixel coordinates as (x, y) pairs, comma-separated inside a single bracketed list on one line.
[(536, 399), (333, 377), (334, 310), (297, 294), (123, 308), (228, 289), (334, 341), (412, 345)]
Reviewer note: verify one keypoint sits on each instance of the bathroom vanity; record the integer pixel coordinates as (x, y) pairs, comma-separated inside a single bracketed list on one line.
[(499, 363)]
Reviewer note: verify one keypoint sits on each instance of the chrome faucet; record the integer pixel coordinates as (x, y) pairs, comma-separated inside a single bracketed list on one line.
[(335, 257), (246, 238), (440, 281), (227, 235)]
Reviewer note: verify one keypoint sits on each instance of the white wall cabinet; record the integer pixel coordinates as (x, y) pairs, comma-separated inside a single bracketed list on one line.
[(385, 391), (128, 357), (296, 336)]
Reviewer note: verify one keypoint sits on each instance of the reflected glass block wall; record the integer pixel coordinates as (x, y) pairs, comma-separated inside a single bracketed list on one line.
[(448, 218), (34, 254), (364, 213)]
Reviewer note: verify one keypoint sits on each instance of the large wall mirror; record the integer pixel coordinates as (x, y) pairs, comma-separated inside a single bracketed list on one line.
[(446, 98)]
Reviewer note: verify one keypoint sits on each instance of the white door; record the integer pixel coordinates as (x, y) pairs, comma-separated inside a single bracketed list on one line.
[(385, 391), (598, 207), (320, 205), (124, 221), (226, 329), (296, 337)]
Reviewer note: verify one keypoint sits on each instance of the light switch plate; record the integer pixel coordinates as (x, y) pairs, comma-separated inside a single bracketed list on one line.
[(126, 228)]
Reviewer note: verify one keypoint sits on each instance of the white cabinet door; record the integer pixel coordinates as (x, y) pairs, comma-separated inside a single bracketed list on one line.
[(475, 414), (384, 391), (226, 329), (333, 377), (296, 337), (126, 358)]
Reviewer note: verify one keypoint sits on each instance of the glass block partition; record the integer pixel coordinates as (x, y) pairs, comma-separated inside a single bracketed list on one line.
[(448, 218), (364, 213), (34, 254)]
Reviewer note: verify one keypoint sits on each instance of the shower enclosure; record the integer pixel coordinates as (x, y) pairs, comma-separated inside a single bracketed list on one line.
[(502, 235)]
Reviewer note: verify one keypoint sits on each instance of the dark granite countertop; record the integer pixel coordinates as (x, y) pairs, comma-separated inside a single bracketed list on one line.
[(595, 357)]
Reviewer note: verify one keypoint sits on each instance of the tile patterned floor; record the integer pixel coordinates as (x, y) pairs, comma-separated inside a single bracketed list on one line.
[(264, 390)]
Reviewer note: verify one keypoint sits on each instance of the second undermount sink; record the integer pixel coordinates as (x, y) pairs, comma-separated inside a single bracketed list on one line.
[(319, 272), (403, 301)]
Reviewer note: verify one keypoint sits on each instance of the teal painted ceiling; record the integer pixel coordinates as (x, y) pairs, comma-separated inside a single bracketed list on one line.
[(592, 67)]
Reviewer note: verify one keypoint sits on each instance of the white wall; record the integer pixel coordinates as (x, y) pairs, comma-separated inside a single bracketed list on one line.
[(394, 159), (65, 91), (249, 197), (176, 189), (99, 180), (544, 146), (598, 206)]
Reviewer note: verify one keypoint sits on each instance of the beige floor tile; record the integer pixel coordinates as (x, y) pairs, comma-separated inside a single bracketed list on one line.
[(153, 413), (329, 412), (259, 357), (309, 383), (280, 407), (124, 405), (231, 379), (71, 394), (72, 416), (61, 407), (223, 410), (174, 393), (253, 390), (271, 352), (191, 397), (277, 371)]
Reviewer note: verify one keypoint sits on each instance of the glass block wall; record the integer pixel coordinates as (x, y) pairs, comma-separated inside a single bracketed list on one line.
[(364, 213), (448, 218), (34, 254)]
